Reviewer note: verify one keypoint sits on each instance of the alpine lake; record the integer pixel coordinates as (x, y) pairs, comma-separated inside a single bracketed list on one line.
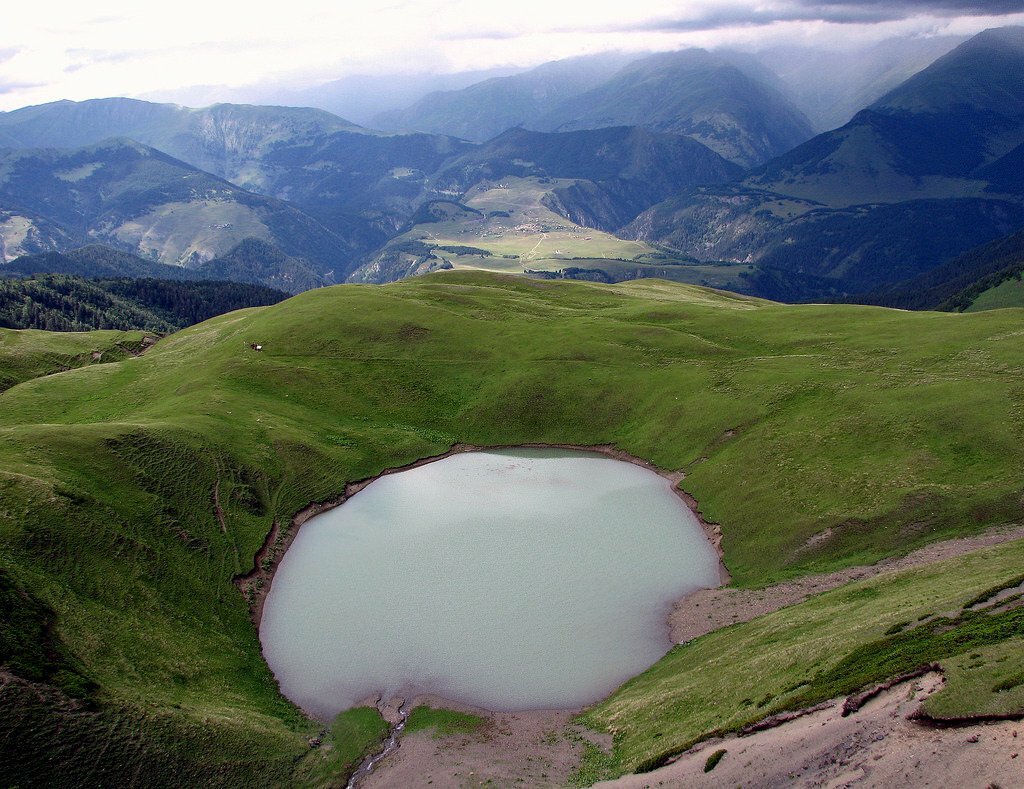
[(509, 580)]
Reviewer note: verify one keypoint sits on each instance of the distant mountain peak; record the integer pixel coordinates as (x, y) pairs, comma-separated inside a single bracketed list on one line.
[(692, 92), (1010, 34), (983, 73)]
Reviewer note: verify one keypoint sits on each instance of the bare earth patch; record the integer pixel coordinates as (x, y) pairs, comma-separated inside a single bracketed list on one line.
[(876, 746), (536, 748)]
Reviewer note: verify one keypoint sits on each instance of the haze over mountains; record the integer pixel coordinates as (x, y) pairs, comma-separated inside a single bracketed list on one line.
[(692, 92), (707, 156), (923, 174), (485, 109), (831, 85), (358, 97)]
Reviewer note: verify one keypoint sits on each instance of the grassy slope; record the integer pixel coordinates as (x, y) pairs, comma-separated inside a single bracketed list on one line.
[(889, 428), (28, 354), (1009, 293), (800, 655)]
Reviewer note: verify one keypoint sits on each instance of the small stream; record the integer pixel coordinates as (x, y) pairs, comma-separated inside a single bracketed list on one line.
[(390, 746)]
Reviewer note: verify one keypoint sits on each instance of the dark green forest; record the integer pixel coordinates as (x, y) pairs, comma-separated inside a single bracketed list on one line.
[(58, 302)]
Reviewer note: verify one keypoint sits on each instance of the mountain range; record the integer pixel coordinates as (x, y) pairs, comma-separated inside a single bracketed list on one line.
[(487, 108), (692, 92), (922, 175), (700, 155), (133, 197)]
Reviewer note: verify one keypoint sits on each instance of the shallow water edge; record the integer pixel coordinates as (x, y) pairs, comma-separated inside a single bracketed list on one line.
[(256, 584)]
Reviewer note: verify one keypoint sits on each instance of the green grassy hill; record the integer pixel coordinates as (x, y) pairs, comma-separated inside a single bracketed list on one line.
[(132, 493), (30, 353)]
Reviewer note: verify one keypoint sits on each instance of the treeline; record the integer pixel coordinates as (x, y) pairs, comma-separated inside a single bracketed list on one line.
[(955, 285), (965, 298), (58, 302)]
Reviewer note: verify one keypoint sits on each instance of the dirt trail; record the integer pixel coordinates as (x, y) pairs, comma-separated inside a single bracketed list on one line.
[(711, 609), (533, 252)]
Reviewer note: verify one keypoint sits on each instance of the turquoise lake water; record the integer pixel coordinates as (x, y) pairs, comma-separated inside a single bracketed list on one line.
[(516, 579)]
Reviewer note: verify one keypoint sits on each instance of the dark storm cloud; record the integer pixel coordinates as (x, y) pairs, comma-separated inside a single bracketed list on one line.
[(843, 12)]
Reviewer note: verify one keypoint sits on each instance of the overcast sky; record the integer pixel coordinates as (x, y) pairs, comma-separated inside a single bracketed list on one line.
[(53, 49)]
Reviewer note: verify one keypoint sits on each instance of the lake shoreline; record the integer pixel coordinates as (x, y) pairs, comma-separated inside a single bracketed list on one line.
[(255, 585)]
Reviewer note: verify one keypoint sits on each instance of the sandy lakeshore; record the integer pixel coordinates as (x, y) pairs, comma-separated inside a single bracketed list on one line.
[(534, 748), (878, 745)]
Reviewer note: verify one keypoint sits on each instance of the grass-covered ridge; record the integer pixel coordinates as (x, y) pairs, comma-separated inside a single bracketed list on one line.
[(29, 353), (869, 430)]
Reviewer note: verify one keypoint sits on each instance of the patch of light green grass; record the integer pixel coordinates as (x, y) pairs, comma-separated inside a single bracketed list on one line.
[(442, 722), (1007, 294), (28, 353), (353, 735)]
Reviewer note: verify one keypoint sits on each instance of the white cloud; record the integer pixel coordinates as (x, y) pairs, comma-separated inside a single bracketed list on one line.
[(53, 49)]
